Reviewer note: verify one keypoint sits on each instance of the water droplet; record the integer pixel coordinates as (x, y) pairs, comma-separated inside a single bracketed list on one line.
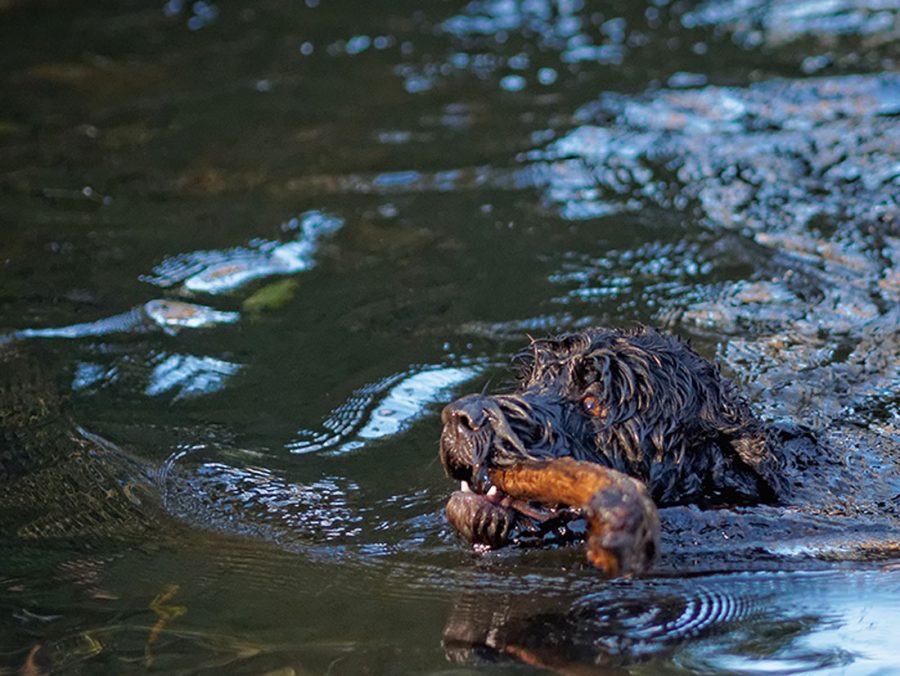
[(513, 83), (547, 76)]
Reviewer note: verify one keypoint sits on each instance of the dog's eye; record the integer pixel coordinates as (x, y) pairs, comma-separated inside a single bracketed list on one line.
[(592, 405)]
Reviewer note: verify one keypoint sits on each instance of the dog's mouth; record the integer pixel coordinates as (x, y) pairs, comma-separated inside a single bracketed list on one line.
[(494, 519)]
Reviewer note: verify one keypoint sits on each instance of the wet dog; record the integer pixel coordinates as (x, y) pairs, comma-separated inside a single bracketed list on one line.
[(635, 402)]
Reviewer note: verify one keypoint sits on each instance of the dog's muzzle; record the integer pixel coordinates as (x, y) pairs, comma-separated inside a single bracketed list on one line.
[(476, 434)]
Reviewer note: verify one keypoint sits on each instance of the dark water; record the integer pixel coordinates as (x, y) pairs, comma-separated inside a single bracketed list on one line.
[(374, 203)]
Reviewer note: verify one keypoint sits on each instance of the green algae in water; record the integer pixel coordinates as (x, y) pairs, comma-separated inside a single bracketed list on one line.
[(272, 296)]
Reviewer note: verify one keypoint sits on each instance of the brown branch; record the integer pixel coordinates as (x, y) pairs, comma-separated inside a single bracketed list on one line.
[(623, 521)]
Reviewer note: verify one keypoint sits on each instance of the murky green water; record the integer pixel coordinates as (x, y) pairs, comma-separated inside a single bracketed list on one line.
[(368, 207)]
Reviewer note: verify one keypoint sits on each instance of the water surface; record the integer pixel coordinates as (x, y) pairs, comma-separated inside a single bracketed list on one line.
[(259, 246)]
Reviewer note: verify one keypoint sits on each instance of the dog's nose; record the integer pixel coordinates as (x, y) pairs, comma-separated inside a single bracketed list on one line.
[(468, 411)]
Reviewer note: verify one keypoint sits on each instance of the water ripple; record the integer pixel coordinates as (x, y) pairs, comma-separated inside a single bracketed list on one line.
[(258, 502), (169, 315), (787, 21), (189, 376), (220, 271), (404, 398)]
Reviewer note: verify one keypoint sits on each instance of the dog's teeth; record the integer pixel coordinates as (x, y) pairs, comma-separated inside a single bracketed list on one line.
[(464, 487), (492, 491)]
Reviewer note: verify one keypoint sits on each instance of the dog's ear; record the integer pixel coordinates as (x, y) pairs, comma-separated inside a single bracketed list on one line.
[(548, 357)]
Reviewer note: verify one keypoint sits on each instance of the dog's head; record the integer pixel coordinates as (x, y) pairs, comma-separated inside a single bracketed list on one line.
[(637, 401)]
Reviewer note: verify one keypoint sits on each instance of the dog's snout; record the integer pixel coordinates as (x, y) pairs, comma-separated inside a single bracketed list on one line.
[(466, 439), (468, 411)]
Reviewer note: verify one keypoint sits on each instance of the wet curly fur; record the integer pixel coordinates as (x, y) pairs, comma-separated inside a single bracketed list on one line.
[(636, 400)]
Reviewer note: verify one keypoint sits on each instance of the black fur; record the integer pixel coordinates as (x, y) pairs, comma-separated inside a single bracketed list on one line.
[(666, 416)]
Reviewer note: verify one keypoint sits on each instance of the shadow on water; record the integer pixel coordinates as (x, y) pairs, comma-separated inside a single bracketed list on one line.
[(250, 251)]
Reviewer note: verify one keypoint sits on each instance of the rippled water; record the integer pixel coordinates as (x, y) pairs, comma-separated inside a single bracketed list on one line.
[(256, 247)]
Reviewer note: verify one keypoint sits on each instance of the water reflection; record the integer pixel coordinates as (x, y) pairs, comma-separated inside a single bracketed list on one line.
[(402, 399), (188, 376), (211, 272), (216, 272), (742, 158), (200, 13), (739, 623), (169, 315), (755, 22), (613, 627), (573, 31), (648, 276), (724, 146)]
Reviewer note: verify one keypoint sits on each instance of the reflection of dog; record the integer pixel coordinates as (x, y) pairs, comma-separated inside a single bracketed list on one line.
[(635, 401), (593, 634)]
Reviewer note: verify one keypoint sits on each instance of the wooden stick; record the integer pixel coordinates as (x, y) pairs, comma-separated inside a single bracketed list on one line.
[(622, 519)]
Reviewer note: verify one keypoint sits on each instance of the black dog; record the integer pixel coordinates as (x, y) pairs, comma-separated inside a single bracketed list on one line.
[(636, 401)]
